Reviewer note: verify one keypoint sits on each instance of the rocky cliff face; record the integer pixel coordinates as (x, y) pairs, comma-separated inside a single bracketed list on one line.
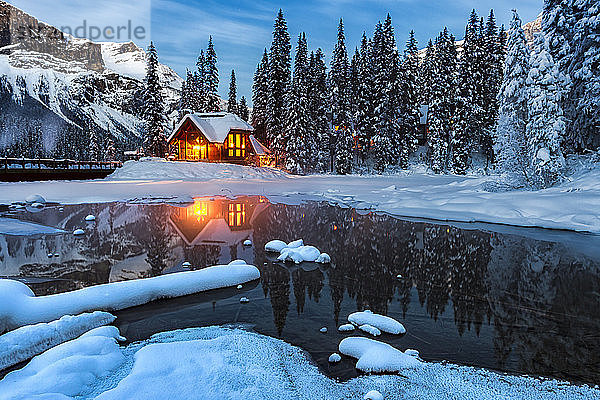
[(45, 74)]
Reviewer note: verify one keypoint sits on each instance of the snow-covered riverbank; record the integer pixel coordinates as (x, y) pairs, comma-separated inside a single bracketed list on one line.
[(573, 205)]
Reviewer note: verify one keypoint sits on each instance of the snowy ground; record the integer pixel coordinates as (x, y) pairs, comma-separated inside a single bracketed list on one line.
[(222, 363), (573, 205)]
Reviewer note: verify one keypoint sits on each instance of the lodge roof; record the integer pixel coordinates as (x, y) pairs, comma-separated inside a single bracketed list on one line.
[(214, 126)]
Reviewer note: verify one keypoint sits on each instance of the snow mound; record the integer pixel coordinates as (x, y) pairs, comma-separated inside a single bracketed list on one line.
[(159, 169), (335, 358), (374, 356), (244, 300), (370, 329), (381, 322), (25, 342), (247, 242), (346, 328), (19, 306), (35, 198), (90, 218), (11, 226), (323, 329), (67, 370), (373, 395), (296, 252), (78, 232)]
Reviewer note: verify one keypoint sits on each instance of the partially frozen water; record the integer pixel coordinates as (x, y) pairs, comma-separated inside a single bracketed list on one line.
[(509, 299)]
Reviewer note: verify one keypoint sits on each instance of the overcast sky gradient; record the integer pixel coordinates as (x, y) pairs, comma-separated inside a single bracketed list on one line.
[(242, 29)]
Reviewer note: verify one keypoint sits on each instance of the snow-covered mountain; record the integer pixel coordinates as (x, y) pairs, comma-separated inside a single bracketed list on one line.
[(50, 74)]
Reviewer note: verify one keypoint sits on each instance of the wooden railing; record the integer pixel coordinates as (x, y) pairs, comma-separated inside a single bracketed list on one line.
[(33, 164)]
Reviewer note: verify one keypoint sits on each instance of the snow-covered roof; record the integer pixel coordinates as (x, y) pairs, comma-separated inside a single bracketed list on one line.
[(259, 148), (214, 126)]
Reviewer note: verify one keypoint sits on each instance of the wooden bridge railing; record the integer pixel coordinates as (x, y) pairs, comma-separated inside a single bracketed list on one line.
[(39, 164)]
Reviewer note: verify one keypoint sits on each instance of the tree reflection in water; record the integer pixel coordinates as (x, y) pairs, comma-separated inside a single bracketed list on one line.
[(533, 305)]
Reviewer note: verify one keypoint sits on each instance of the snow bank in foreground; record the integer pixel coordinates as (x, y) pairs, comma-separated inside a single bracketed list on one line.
[(11, 226), (156, 169), (381, 322), (19, 306), (23, 343), (220, 363), (297, 252), (67, 370), (374, 356)]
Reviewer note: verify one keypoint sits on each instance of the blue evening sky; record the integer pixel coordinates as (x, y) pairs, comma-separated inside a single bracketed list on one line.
[(242, 29)]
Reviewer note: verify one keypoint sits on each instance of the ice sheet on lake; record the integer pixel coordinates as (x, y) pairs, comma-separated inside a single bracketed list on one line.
[(19, 306)]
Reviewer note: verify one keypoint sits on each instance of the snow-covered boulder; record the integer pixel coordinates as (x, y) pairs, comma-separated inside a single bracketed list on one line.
[(78, 232), (23, 343), (247, 243), (370, 329), (244, 300), (299, 254), (35, 198), (323, 258), (323, 329), (19, 306), (346, 328), (374, 356), (90, 218), (237, 262), (381, 322), (335, 358), (373, 395), (295, 244), (275, 246)]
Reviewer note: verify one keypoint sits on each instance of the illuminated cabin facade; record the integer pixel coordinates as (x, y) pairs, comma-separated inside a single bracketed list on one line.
[(216, 137)]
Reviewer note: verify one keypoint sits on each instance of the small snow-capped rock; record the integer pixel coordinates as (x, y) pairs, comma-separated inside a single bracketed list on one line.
[(78, 232), (299, 254), (370, 329), (90, 218), (56, 255), (35, 198), (373, 395), (244, 300), (295, 244), (247, 242), (346, 328), (323, 330), (37, 205), (335, 358), (275, 246), (381, 322), (239, 286), (399, 276), (61, 209), (50, 255), (186, 264), (237, 262), (323, 258), (412, 352)]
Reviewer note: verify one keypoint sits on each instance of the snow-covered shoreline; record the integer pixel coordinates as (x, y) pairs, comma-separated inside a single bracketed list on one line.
[(573, 205)]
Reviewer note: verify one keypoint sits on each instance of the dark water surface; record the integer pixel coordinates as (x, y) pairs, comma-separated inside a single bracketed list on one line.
[(509, 299)]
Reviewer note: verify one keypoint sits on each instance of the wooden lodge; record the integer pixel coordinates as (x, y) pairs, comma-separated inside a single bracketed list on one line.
[(217, 137)]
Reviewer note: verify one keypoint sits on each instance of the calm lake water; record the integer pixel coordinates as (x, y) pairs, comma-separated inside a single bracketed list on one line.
[(508, 299)]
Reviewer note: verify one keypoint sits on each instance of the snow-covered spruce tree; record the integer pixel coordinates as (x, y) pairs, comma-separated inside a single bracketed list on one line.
[(340, 104), (199, 94), (94, 150), (154, 109), (510, 143), (232, 105), (300, 148), (583, 110), (211, 79), (184, 94), (408, 103), (318, 105), (443, 100), (365, 102), (260, 99), (111, 151), (468, 118), (546, 124), (243, 111), (278, 81), (426, 72)]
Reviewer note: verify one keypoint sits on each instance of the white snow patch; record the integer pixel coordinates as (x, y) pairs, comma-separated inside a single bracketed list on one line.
[(275, 246), (23, 343), (374, 356), (346, 328), (19, 306), (381, 322), (370, 329)]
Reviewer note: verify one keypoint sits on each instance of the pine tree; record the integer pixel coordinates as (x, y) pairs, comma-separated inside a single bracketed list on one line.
[(510, 143), (278, 81), (94, 152), (211, 79), (243, 111), (232, 106), (318, 105), (260, 98), (426, 74), (154, 108), (111, 152), (408, 104), (199, 99), (365, 102), (546, 125), (300, 147), (443, 100), (340, 104)]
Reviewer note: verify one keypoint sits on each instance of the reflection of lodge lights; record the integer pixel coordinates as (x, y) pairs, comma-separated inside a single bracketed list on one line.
[(335, 227), (237, 214)]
